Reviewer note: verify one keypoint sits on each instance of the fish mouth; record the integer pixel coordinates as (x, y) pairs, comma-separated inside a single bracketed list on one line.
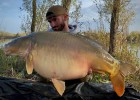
[(6, 52), (10, 53)]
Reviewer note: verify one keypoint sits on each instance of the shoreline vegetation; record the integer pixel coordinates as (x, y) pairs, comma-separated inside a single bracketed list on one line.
[(133, 37), (6, 35), (14, 66)]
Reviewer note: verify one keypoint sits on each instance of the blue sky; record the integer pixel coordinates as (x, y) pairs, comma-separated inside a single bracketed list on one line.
[(10, 20), (10, 14)]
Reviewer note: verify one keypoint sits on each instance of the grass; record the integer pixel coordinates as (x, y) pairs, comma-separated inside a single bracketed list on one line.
[(11, 66)]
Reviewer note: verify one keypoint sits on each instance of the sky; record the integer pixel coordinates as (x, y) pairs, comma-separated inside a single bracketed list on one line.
[(10, 15)]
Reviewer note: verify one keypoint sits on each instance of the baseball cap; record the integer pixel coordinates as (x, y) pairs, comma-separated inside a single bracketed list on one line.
[(56, 10)]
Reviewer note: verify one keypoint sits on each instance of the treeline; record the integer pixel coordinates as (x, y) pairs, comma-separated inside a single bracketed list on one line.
[(7, 35)]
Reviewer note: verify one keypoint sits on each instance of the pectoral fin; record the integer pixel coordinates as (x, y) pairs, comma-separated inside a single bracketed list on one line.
[(29, 64), (59, 85), (118, 83)]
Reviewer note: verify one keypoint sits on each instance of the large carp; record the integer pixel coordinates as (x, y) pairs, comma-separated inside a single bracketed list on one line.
[(62, 56)]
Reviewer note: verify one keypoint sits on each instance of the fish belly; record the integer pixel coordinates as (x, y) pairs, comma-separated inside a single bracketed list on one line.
[(61, 67)]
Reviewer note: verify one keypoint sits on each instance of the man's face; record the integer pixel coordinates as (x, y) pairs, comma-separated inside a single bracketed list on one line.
[(57, 22)]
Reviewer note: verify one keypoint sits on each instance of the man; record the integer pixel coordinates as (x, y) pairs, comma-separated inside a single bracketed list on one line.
[(58, 17)]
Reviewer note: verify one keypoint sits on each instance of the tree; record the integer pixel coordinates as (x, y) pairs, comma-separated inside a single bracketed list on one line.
[(26, 22), (127, 12), (76, 13), (114, 24), (41, 8), (66, 4), (126, 15), (34, 16)]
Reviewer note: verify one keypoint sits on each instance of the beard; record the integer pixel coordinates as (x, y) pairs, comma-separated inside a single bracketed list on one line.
[(59, 28)]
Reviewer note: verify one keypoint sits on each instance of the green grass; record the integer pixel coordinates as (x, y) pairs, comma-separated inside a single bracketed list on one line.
[(11, 66)]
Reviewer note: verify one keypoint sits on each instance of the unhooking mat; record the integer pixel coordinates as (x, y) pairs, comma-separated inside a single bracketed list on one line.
[(16, 89)]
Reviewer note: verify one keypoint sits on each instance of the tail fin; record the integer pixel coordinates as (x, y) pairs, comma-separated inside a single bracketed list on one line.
[(118, 80), (118, 83)]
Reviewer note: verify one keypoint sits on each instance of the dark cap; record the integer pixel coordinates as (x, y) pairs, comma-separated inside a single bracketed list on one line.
[(56, 10)]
